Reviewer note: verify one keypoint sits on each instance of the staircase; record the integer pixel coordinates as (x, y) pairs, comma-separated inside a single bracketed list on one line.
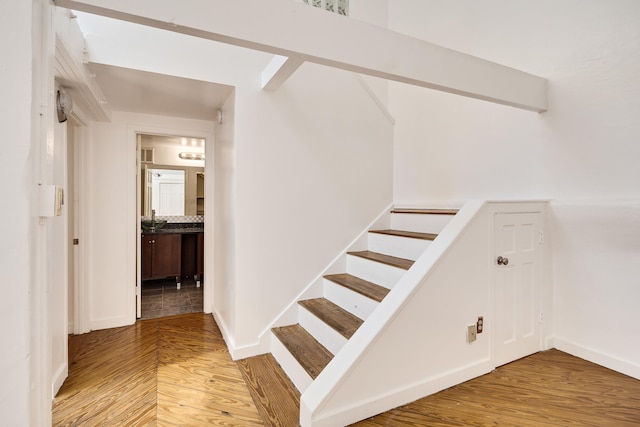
[(325, 324)]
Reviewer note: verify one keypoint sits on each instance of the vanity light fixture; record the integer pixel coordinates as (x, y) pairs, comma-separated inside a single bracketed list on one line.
[(191, 156)]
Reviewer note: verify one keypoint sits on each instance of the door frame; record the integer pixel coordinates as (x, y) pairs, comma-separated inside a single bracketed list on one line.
[(81, 173), (545, 291), (135, 293)]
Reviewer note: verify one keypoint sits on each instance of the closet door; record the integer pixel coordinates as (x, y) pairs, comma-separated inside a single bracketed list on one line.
[(516, 299)]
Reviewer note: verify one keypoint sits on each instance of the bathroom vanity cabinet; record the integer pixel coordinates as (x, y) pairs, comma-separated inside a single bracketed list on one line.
[(166, 254), (161, 255)]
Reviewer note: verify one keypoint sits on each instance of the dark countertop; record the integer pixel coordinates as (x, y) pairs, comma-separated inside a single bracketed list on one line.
[(176, 231), (178, 228)]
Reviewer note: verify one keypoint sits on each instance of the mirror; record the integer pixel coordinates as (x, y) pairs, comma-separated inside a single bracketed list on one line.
[(172, 175)]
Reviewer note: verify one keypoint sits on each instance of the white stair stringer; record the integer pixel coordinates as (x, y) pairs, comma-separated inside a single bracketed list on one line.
[(337, 396), (359, 305)]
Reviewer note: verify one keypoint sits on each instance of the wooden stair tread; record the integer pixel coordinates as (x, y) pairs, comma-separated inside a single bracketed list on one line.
[(385, 259), (361, 286), (410, 234), (312, 356), (276, 398), (338, 318), (425, 211)]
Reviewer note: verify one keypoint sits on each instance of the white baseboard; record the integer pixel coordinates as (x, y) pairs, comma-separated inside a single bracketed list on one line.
[(111, 322), (237, 353), (58, 378), (598, 357)]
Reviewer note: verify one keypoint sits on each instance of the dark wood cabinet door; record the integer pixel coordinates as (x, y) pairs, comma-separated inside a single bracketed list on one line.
[(167, 255), (146, 255), (189, 255)]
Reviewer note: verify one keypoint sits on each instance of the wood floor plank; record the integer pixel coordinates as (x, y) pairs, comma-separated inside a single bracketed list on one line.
[(206, 383), (239, 406), (275, 396), (172, 414)]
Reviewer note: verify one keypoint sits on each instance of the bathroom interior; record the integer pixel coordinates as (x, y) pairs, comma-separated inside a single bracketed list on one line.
[(171, 225)]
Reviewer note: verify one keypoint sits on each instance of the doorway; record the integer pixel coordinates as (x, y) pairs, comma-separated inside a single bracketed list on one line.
[(516, 297), (171, 223)]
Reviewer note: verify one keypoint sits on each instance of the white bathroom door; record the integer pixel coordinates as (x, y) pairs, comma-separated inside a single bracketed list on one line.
[(516, 299)]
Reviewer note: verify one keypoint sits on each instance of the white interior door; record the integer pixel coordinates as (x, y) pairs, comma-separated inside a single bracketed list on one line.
[(517, 286)]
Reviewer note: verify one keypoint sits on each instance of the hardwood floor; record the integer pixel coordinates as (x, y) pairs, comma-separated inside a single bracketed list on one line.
[(173, 371), (176, 371), (549, 388)]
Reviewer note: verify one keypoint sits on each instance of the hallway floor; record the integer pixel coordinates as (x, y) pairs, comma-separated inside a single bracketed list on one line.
[(171, 371), (177, 371), (161, 298)]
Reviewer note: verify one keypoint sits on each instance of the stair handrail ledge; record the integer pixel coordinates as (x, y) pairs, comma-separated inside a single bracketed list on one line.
[(338, 397)]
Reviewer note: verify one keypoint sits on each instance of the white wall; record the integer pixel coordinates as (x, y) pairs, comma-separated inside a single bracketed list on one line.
[(112, 218), (313, 168), (16, 174), (225, 222), (581, 154), (304, 156), (26, 127)]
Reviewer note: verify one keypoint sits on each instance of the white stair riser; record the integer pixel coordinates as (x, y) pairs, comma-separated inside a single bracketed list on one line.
[(323, 333), (355, 303), (423, 223), (372, 271), (290, 365), (401, 247)]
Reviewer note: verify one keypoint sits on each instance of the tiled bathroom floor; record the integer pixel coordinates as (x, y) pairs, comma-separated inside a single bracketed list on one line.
[(161, 298)]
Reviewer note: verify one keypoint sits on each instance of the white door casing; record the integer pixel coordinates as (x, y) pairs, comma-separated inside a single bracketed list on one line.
[(516, 296), (138, 281)]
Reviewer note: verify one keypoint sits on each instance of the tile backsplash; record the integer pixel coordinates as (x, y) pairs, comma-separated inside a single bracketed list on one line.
[(174, 219)]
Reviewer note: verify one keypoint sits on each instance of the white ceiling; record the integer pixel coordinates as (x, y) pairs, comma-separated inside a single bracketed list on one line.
[(151, 93)]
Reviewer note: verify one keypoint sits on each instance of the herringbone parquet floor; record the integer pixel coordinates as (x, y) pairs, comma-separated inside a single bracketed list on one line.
[(176, 371)]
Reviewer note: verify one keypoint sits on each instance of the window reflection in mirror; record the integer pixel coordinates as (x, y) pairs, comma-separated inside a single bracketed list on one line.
[(171, 185)]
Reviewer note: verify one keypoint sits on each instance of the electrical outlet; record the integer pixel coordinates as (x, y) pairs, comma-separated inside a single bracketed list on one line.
[(480, 324), (471, 333)]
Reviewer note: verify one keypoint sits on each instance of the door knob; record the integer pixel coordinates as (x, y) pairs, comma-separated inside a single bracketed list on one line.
[(502, 261)]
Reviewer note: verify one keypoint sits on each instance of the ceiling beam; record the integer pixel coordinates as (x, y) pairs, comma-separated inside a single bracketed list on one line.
[(278, 71), (293, 29)]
